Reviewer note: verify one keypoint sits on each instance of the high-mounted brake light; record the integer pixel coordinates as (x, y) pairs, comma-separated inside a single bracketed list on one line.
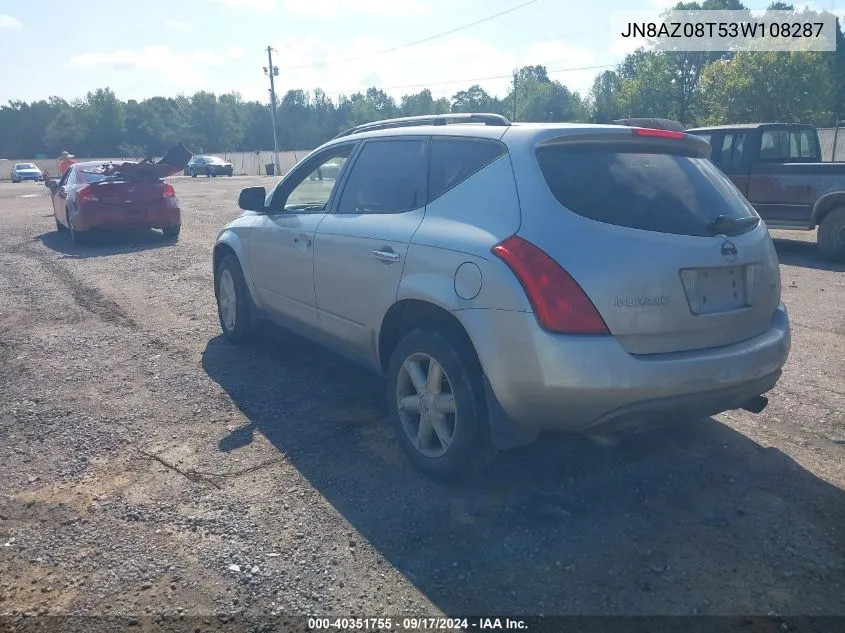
[(559, 303), (644, 131), (169, 191)]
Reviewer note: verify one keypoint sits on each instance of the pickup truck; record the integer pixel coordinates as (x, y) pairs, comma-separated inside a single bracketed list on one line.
[(778, 167)]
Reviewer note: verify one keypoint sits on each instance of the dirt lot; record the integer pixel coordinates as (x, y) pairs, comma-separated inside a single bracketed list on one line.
[(150, 469)]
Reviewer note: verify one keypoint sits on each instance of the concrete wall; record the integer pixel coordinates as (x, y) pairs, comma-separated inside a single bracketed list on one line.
[(248, 163)]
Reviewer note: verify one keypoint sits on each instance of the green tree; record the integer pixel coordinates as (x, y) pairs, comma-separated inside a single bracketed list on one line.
[(647, 88), (105, 120), (604, 97), (768, 86)]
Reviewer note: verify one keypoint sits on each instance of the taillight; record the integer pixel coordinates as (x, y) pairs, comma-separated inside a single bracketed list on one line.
[(86, 194), (559, 303), (169, 191), (643, 131)]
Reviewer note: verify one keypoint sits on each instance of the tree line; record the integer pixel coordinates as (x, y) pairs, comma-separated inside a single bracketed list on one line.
[(691, 87)]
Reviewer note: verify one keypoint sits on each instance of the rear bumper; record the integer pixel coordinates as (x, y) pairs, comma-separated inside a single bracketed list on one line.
[(106, 220), (540, 381)]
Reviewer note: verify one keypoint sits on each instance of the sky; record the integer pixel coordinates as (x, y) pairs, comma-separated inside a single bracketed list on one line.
[(171, 47)]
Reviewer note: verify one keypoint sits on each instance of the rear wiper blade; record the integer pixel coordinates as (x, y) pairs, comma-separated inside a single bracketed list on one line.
[(723, 223)]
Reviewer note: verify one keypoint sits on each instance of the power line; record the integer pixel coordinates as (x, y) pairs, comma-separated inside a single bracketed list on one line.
[(422, 41), (468, 81)]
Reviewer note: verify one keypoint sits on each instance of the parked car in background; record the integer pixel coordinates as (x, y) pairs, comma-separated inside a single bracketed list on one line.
[(26, 171), (778, 167), (93, 196), (208, 166), (508, 279)]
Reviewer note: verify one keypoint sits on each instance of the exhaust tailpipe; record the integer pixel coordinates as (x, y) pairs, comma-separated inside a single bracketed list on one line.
[(756, 404)]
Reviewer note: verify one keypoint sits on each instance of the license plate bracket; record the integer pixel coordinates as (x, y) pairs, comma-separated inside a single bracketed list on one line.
[(717, 290)]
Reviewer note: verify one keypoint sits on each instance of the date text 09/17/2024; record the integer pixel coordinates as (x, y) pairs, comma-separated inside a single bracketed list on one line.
[(416, 624)]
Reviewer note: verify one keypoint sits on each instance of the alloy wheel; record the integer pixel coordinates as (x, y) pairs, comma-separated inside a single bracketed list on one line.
[(426, 405)]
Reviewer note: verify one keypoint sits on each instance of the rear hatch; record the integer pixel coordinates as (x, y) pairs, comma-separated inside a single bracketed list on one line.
[(668, 250)]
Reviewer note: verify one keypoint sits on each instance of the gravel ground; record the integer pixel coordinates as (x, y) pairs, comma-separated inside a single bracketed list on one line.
[(151, 470)]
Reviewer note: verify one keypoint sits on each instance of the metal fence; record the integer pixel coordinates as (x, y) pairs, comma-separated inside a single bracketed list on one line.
[(832, 142), (244, 163)]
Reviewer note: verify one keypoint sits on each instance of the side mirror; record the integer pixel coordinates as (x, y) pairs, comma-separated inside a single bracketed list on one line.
[(51, 184), (252, 199)]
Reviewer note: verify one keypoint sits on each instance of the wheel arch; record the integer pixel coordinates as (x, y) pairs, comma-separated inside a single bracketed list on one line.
[(413, 313), (229, 243), (826, 204)]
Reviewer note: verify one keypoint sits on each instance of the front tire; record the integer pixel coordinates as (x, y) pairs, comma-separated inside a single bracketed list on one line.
[(233, 303), (831, 236), (436, 408), (193, 173), (61, 228)]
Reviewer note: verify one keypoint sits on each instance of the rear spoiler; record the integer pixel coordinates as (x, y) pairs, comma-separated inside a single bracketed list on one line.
[(659, 139), (654, 124)]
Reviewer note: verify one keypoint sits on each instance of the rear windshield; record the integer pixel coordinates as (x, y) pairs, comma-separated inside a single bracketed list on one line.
[(640, 189)]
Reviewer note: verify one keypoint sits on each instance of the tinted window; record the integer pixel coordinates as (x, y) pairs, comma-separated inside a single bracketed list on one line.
[(667, 193), (732, 147), (784, 145), (387, 177), (453, 160)]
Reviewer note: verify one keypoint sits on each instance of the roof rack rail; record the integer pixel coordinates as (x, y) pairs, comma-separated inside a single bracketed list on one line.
[(434, 119)]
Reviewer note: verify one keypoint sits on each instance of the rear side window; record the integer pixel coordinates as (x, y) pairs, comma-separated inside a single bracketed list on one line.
[(639, 189), (453, 160), (387, 177), (784, 145)]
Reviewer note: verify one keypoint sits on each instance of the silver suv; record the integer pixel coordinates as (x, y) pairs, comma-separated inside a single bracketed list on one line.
[(509, 279)]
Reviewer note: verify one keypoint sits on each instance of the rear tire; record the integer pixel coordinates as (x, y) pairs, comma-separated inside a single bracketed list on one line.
[(171, 232), (438, 414), (193, 173), (78, 237), (234, 309), (61, 228), (831, 236)]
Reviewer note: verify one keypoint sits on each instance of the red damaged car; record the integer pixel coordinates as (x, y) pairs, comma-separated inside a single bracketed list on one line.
[(94, 196)]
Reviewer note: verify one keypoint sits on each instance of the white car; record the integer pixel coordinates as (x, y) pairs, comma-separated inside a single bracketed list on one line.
[(26, 171)]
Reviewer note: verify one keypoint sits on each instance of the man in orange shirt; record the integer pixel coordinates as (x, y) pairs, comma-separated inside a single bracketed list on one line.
[(65, 161)]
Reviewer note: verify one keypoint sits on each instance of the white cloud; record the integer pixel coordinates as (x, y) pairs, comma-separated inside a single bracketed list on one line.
[(9, 22), (185, 69), (415, 68), (338, 8), (176, 25), (256, 5)]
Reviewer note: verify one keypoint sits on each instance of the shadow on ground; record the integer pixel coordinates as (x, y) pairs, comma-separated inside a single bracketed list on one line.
[(694, 519), (804, 254), (105, 243)]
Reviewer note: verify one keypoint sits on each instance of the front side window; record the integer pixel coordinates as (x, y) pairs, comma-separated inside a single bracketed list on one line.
[(314, 188), (388, 177)]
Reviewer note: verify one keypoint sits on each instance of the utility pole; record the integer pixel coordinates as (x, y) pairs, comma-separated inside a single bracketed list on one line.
[(515, 81), (273, 71)]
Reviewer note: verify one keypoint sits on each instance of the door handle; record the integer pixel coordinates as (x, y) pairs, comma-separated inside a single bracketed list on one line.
[(386, 256), (305, 240)]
